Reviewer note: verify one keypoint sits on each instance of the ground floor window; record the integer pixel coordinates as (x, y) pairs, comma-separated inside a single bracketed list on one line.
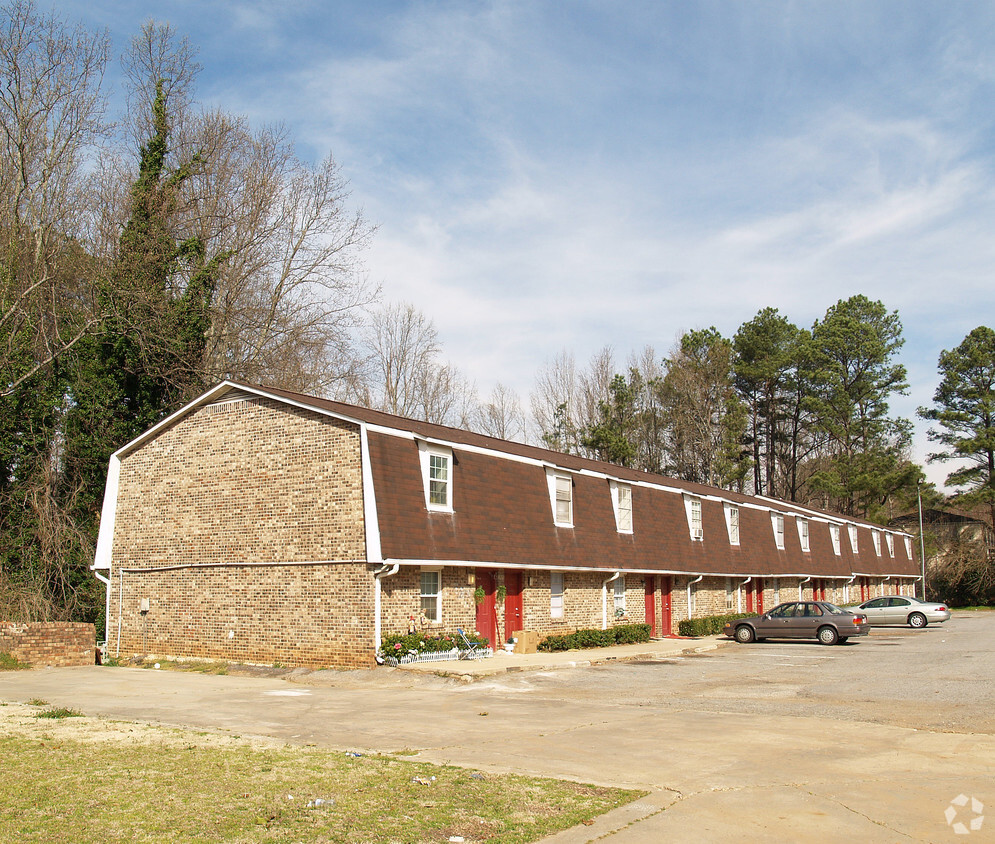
[(430, 581), (729, 594), (556, 594), (619, 597), (775, 589)]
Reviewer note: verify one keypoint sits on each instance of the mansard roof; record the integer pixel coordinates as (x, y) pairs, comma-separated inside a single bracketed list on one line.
[(502, 510)]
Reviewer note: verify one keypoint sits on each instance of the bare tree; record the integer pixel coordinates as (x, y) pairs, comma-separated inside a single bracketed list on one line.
[(51, 119), (501, 416), (404, 372), (554, 400)]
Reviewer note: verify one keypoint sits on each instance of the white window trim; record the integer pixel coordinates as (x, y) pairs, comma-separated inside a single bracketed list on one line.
[(890, 540), (837, 539), (697, 534), (551, 478), (852, 533), (616, 493), (438, 597), (804, 535), (775, 590), (618, 586), (729, 594), (425, 452), (728, 510), (554, 611), (876, 539), (908, 546), (777, 525)]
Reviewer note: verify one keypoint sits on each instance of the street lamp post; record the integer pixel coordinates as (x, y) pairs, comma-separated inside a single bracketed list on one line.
[(922, 544)]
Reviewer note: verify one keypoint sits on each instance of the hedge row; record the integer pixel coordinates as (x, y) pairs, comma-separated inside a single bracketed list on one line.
[(709, 625), (625, 634)]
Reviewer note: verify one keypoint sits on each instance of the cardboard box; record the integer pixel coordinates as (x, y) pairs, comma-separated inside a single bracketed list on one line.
[(526, 641)]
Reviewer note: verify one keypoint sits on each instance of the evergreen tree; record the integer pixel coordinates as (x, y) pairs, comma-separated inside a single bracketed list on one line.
[(612, 436), (853, 375), (964, 407)]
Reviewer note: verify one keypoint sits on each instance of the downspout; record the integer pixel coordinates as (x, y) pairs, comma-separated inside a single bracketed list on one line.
[(107, 602), (604, 598), (739, 594), (690, 584), (120, 607), (801, 583), (386, 570), (846, 588)]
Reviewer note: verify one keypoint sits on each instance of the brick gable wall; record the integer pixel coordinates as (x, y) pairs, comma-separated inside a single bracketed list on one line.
[(242, 499)]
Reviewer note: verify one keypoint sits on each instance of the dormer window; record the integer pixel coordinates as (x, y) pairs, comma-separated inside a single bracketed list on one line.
[(888, 538), (732, 522), (908, 547), (834, 534), (692, 507), (876, 539), (561, 498), (852, 530), (437, 476), (622, 505), (803, 533), (777, 522)]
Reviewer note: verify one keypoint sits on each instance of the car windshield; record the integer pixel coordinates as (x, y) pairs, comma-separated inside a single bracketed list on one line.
[(835, 610)]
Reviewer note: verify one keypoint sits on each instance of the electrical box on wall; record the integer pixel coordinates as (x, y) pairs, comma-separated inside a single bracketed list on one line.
[(144, 606)]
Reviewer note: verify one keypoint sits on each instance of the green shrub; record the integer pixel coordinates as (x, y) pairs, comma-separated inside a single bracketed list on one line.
[(709, 625), (9, 662), (407, 644), (626, 634)]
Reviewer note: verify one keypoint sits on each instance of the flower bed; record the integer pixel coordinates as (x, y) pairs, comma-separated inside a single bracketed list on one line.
[(406, 648)]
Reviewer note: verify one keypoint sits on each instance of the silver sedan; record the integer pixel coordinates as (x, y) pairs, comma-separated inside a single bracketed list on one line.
[(902, 610)]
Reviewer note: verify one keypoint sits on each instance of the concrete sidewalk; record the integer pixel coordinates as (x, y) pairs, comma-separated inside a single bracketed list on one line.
[(502, 661)]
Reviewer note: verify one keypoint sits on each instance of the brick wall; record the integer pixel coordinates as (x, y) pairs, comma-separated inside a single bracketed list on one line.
[(54, 643), (246, 482), (318, 616)]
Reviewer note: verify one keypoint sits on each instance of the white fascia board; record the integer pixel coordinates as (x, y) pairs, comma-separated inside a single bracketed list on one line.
[(108, 514), (371, 521)]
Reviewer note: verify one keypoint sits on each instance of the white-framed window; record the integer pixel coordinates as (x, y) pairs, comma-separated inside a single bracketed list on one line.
[(908, 547), (777, 522), (561, 498), (802, 532), (876, 539), (890, 540), (437, 476), (431, 590), (834, 535), (775, 590), (692, 507), (732, 522), (730, 592), (619, 584), (852, 530), (622, 505), (556, 594)]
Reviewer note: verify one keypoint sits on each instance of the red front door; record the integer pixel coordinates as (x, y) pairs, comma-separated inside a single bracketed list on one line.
[(512, 603), (486, 619), (665, 605), (758, 585), (651, 604)]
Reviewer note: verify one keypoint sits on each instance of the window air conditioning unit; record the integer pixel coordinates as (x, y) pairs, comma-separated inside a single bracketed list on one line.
[(697, 533)]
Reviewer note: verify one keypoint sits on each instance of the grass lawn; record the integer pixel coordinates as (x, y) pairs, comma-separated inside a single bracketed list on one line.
[(74, 779)]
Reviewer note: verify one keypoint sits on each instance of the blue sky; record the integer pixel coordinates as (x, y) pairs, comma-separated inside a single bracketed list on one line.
[(559, 175)]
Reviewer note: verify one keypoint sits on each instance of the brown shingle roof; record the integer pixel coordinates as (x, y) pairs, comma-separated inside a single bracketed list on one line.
[(502, 512)]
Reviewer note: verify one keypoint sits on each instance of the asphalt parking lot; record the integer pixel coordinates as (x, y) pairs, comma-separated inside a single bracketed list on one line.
[(783, 741)]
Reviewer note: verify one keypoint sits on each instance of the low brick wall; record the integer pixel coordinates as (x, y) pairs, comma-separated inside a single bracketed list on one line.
[(54, 643)]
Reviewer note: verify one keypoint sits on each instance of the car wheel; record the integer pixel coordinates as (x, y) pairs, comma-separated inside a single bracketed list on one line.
[(744, 634), (828, 636), (917, 620)]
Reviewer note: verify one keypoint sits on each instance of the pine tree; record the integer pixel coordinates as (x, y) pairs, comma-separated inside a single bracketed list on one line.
[(964, 407)]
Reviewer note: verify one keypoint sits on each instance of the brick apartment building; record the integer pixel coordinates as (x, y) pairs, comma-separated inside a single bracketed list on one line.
[(265, 526)]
